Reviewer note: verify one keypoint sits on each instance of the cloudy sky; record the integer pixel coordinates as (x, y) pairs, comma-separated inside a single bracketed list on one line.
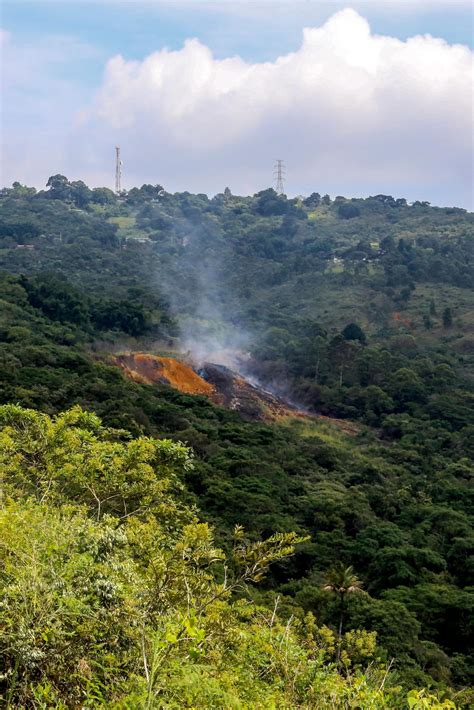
[(357, 98)]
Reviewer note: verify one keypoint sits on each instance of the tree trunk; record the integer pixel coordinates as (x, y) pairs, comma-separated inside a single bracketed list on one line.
[(341, 618)]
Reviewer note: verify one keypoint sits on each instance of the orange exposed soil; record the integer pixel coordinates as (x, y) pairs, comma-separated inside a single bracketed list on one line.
[(221, 385), (150, 369), (184, 378)]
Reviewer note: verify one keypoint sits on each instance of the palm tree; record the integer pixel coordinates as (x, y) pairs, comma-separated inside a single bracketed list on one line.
[(341, 580)]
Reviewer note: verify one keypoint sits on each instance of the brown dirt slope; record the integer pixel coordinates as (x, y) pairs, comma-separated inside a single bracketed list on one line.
[(151, 369), (220, 384)]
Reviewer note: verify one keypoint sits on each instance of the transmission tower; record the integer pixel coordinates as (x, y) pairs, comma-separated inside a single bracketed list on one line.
[(118, 171), (279, 173)]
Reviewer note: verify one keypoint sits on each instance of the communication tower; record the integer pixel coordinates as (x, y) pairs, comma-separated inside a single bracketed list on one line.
[(118, 171), (279, 173)]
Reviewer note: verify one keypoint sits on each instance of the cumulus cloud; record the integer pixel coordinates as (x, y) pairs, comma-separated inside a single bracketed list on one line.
[(350, 112)]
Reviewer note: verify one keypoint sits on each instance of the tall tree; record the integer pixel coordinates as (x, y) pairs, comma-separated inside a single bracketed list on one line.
[(341, 581), (59, 187), (447, 318)]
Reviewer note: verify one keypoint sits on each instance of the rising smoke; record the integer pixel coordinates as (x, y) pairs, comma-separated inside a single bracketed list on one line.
[(197, 285)]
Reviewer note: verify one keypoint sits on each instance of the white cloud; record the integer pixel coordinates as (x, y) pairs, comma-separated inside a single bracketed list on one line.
[(348, 110)]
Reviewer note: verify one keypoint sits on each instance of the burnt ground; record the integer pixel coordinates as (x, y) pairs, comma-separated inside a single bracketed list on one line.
[(220, 384), (235, 392)]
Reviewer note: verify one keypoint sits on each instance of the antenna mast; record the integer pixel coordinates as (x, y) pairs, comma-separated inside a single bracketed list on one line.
[(279, 177), (118, 171)]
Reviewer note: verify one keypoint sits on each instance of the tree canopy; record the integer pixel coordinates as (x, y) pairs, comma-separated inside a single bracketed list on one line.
[(362, 323)]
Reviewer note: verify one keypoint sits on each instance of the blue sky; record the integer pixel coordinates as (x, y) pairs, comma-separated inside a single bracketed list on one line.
[(255, 29), (56, 60)]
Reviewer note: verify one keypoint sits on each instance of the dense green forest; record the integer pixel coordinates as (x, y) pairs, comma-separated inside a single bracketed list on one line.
[(360, 309)]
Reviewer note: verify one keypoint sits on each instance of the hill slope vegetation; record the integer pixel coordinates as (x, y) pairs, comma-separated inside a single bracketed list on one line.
[(357, 309)]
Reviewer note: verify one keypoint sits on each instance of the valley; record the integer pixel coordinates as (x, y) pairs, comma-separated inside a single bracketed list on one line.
[(330, 399)]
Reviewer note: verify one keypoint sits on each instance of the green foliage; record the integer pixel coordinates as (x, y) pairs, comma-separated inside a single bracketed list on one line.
[(447, 318), (65, 459), (379, 506), (352, 331), (139, 610), (348, 211), (394, 500)]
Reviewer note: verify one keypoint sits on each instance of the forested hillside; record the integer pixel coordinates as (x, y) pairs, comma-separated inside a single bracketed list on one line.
[(360, 310)]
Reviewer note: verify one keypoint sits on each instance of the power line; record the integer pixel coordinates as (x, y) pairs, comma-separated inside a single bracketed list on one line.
[(279, 173)]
